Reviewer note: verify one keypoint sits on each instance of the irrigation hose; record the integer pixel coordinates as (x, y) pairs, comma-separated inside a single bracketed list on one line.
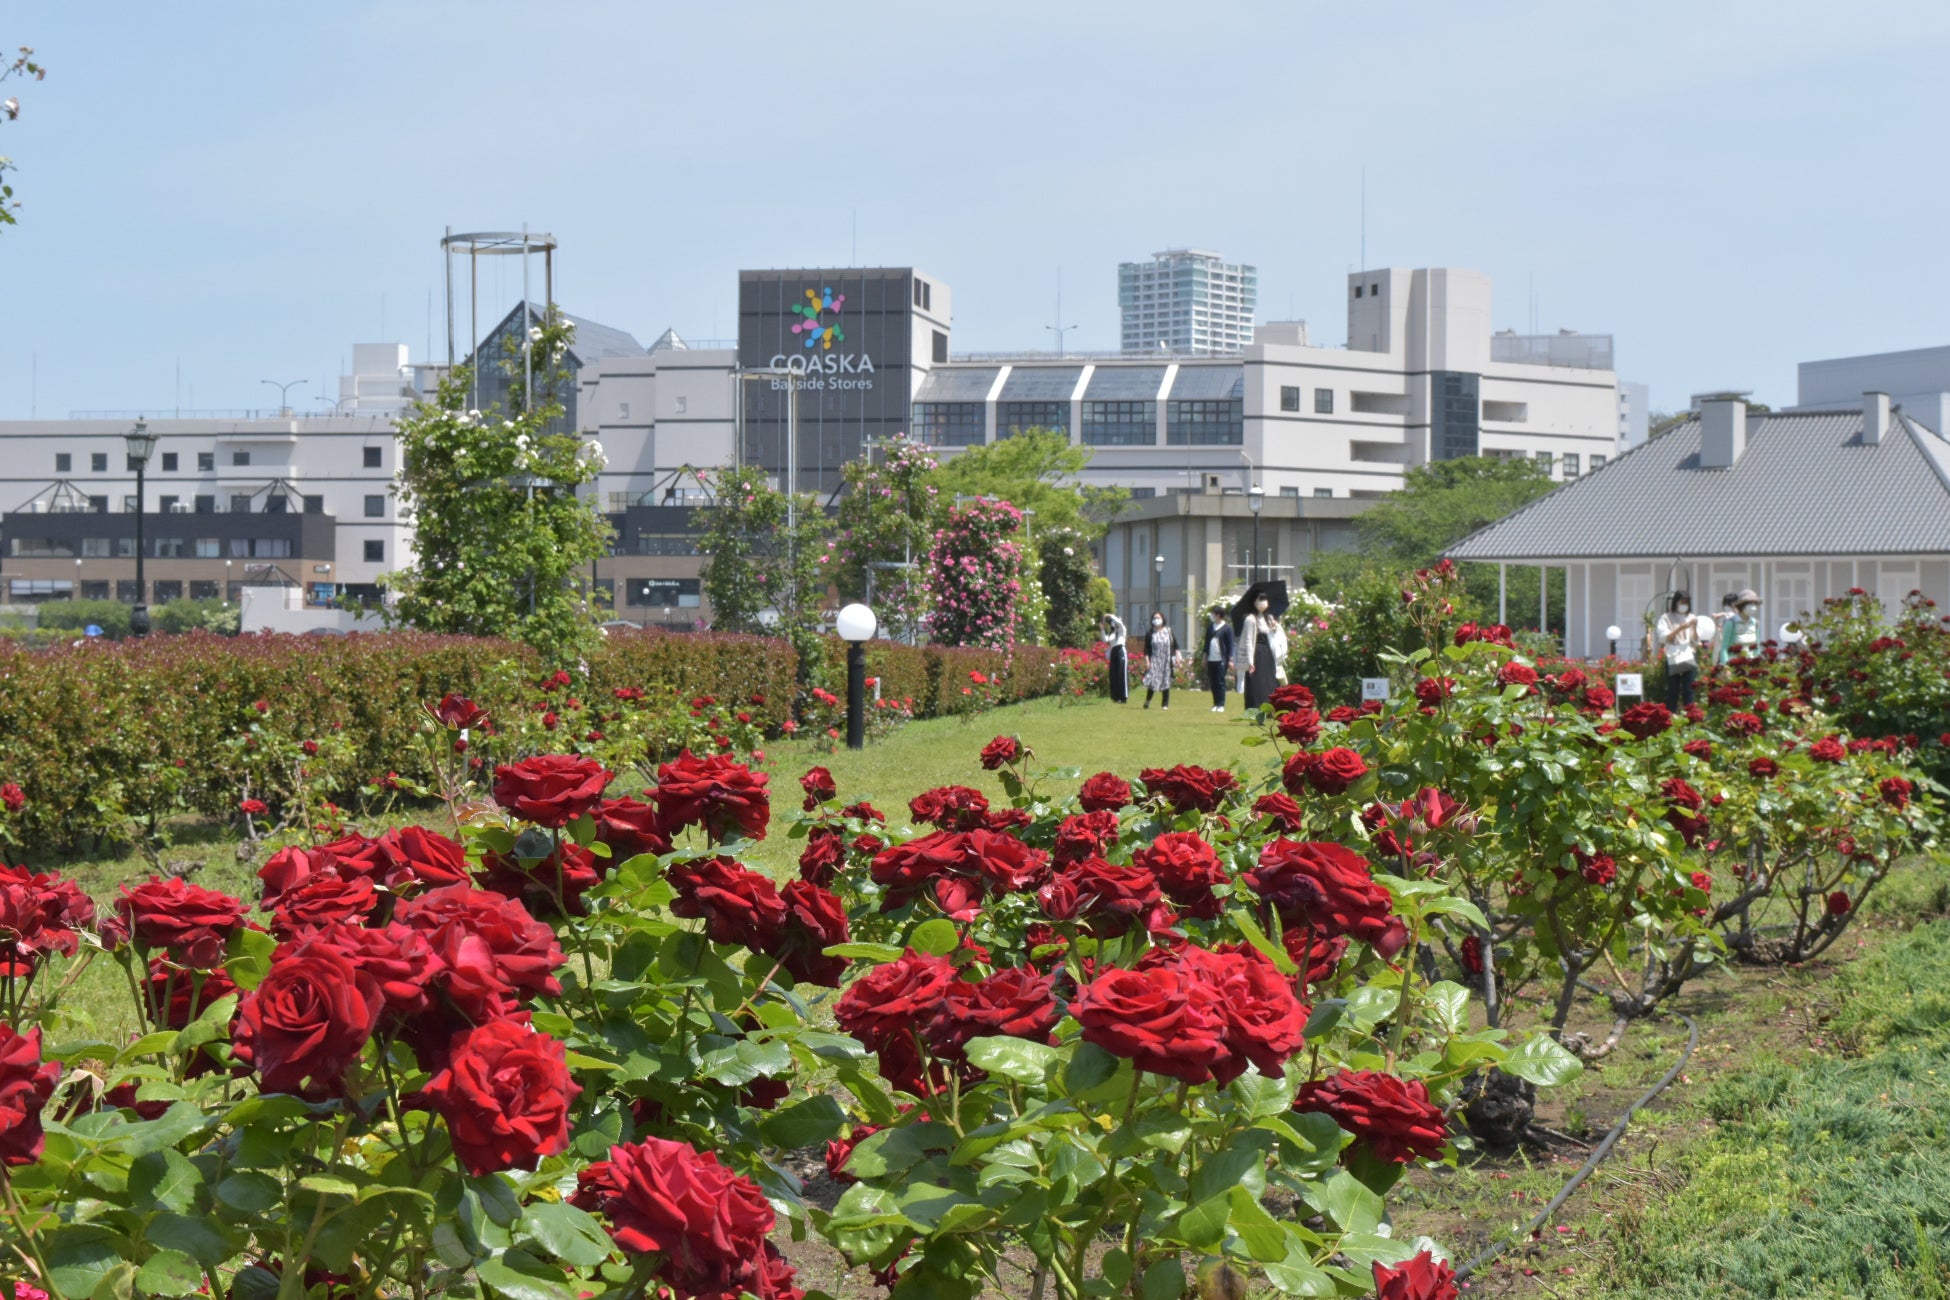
[(1597, 1156)]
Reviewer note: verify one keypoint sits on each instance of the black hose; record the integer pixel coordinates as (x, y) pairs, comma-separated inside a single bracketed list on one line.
[(1598, 1153)]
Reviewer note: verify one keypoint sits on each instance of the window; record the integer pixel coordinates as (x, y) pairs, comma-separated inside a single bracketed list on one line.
[(169, 505), (1143, 493), (125, 548), (1120, 424), (678, 593), (169, 462), (1456, 421), (206, 460), (208, 548), (375, 507), (129, 504), (1011, 418), (202, 589), (170, 548), (204, 505), (1597, 463), (1323, 492), (314, 505), (940, 352), (126, 591), (271, 548), (1571, 464), (168, 589), (92, 590), (98, 504), (38, 589), (1289, 491), (93, 548), (1323, 401), (1357, 291), (372, 457), (1205, 423), (950, 424), (375, 551), (277, 504), (98, 462), (1374, 291), (240, 458), (1544, 462), (240, 503), (63, 462), (683, 405), (1289, 397), (622, 410)]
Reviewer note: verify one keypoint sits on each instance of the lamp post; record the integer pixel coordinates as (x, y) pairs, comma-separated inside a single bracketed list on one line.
[(856, 624), (1256, 501), (1612, 634), (77, 578), (284, 391), (141, 443), (1157, 578)]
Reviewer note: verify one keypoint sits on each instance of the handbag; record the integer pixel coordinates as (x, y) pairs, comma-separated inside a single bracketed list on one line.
[(1276, 641)]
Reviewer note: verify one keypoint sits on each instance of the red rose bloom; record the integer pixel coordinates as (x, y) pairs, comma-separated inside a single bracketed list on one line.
[(1293, 773), (1516, 674), (321, 901), (630, 827), (1104, 793), (736, 904), (714, 792), (1300, 727), (1827, 750), (1700, 749), (554, 886), (1285, 699), (1838, 903), (193, 923), (1284, 812), (248, 807), (1115, 896), (819, 787), (489, 947), (1681, 793), (819, 861), (416, 856), (1329, 890), (1187, 869), (396, 957), (26, 1082), (1334, 771), (357, 855), (1085, 835), (896, 999), (1344, 713), (1646, 720), (458, 713), (840, 1150), (1262, 1017), (40, 913), (1162, 1019), (1598, 698), (505, 1095), (815, 920), (1392, 1117), (1895, 791), (950, 807), (1001, 752), (305, 1025), (1596, 868), (706, 1223), (1315, 955), (974, 862), (551, 789), (1763, 767), (1190, 789), (1743, 724), (1014, 1002), (1431, 691), (1422, 1278)]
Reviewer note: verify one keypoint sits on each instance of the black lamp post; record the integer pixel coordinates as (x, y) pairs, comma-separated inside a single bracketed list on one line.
[(856, 625), (1256, 500), (141, 443)]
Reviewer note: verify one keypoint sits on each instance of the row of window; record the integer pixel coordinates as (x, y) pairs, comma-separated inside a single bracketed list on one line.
[(240, 504), (169, 548), (1571, 463), (206, 461), (1188, 423), (1290, 399)]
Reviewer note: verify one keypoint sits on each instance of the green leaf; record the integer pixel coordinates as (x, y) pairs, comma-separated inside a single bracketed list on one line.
[(196, 1237), (164, 1178), (896, 1150), (1448, 1004), (1346, 1202), (743, 1062), (497, 1199), (1241, 1162), (1012, 1058), (1453, 906), (1543, 1061), (1325, 1016), (879, 953), (79, 1256), (939, 937), (1164, 1280), (1203, 1226), (1296, 1275), (169, 1272), (250, 1193), (178, 1122), (816, 1119), (1274, 952), (1091, 1067), (1263, 1238), (328, 1185), (248, 957), (518, 1275), (571, 1235)]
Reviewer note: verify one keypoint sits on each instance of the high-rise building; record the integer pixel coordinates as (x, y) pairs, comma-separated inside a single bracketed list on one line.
[(1187, 301)]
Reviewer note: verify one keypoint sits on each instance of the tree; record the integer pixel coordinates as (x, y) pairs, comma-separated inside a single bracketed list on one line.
[(975, 577), (1063, 561), (1035, 470), (765, 574), (23, 65), (887, 517), (499, 526), (1443, 502)]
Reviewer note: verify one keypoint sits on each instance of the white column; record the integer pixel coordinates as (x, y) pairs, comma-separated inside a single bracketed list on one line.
[(1502, 593), (1543, 597)]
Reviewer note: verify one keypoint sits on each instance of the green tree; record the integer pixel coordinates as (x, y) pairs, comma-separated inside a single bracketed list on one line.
[(1063, 558), (1035, 470), (23, 65), (887, 517), (766, 574), (500, 527)]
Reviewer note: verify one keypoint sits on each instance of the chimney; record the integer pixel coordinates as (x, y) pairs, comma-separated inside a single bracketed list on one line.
[(1875, 418), (1723, 431)]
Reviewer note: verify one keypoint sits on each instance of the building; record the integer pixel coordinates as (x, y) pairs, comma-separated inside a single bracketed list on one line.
[(501, 348), (1798, 505), (1634, 414), (1917, 381), (1187, 301)]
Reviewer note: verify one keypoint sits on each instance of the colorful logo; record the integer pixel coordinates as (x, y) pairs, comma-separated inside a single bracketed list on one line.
[(822, 317)]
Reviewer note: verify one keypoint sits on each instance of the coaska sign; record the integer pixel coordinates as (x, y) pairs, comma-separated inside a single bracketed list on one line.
[(846, 371)]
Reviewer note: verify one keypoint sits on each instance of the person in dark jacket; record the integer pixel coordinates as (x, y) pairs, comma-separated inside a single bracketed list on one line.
[(1218, 655)]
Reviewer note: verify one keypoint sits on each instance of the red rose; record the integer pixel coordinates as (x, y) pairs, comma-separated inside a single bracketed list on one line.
[(1827, 750), (736, 904), (1345, 713), (1006, 819), (1692, 829), (1085, 835), (1700, 749), (1598, 698), (1596, 868), (305, 1025), (1315, 955), (505, 1095), (1472, 954), (1431, 691), (357, 855), (553, 886), (1839, 903), (815, 920), (458, 713), (1895, 791), (865, 812), (1422, 1278), (1681, 793), (1001, 752), (1187, 869), (840, 1150), (1300, 727), (26, 1082), (980, 860), (1516, 674), (1392, 1117), (1293, 774), (951, 807), (1763, 767), (1262, 1017), (1646, 720), (289, 870), (321, 901), (1115, 896), (551, 789), (416, 856), (714, 792), (1104, 793), (819, 861), (1285, 699), (1190, 789), (819, 787), (630, 827), (1162, 1019), (40, 913), (1743, 724), (1014, 1002), (248, 807), (396, 957), (706, 1223), (1334, 771), (895, 1000), (193, 923), (1328, 890), (489, 947)]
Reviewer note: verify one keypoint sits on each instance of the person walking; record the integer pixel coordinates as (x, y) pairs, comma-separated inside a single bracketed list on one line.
[(1114, 636), (1740, 635), (1678, 635), (1259, 661), (1218, 656), (1161, 651)]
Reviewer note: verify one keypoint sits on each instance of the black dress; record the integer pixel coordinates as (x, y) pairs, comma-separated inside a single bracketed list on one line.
[(1120, 677), (1260, 681)]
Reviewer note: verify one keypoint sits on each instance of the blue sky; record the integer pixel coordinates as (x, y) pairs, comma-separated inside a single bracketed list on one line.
[(246, 190)]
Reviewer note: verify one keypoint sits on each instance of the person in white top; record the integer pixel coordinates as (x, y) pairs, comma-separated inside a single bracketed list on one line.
[(1680, 636)]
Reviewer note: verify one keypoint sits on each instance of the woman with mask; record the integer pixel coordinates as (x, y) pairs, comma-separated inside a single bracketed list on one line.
[(1258, 657), (1114, 635), (1161, 649), (1678, 635), (1218, 656), (1740, 636)]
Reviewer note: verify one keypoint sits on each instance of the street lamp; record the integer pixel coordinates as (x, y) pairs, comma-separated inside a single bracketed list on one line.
[(284, 404), (77, 578), (1256, 501), (1612, 634), (1157, 578), (856, 624), (141, 444)]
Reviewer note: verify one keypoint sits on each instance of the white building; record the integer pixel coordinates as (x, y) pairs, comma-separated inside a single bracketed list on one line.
[(1634, 414), (1918, 381), (1187, 301)]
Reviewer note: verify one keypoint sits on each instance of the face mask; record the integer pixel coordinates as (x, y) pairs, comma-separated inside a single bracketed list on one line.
[(1684, 608), (1261, 607), (1748, 611)]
